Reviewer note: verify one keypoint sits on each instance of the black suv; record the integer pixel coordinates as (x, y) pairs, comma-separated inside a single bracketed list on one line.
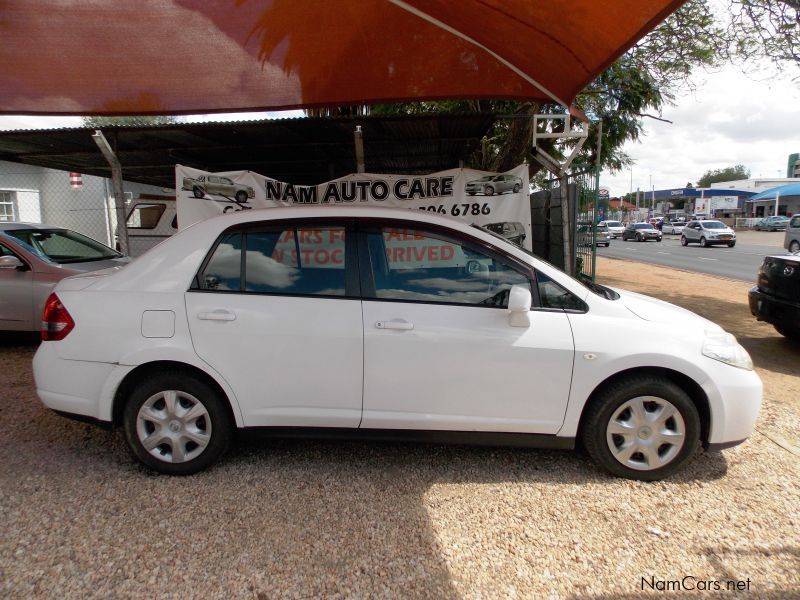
[(776, 298)]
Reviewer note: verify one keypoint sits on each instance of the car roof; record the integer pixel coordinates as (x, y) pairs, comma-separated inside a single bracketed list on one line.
[(14, 225)]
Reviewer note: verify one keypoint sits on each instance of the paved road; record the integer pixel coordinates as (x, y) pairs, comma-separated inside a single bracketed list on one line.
[(740, 262)]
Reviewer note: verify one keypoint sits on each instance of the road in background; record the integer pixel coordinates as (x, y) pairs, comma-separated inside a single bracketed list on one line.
[(740, 262)]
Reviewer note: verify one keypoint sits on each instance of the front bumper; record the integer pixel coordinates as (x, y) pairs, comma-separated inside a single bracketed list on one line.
[(734, 397), (765, 307)]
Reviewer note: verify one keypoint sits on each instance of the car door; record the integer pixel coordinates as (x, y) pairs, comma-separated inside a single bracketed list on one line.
[(16, 296), (690, 232), (275, 309), (439, 350)]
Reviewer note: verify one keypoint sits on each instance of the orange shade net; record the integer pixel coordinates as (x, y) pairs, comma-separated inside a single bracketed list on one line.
[(109, 57)]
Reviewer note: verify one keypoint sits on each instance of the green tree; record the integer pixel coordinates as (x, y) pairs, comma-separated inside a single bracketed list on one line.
[(726, 174), (129, 121)]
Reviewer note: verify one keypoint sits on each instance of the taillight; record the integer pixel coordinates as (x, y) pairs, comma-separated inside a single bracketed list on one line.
[(56, 321)]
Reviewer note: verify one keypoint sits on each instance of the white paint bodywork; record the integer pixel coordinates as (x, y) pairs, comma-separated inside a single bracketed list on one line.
[(305, 361)]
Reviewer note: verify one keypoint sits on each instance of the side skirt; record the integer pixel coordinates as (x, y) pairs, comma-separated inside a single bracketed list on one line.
[(470, 438)]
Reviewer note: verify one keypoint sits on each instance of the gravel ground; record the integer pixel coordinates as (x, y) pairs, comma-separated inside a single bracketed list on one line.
[(303, 519)]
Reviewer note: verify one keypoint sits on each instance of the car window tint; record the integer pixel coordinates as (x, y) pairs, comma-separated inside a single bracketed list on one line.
[(795, 222), (307, 261), (418, 266), (223, 272), (553, 295)]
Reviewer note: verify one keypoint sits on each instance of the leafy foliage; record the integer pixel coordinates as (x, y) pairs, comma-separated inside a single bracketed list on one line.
[(726, 174)]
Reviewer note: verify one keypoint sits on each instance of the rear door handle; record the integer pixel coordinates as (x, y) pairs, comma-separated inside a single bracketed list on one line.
[(398, 324), (219, 314)]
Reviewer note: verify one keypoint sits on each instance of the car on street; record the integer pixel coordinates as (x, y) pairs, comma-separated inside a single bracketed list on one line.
[(33, 258), (774, 223), (513, 231), (615, 228), (708, 232), (494, 184), (601, 235), (641, 232), (776, 296), (791, 241), (673, 227), (352, 321)]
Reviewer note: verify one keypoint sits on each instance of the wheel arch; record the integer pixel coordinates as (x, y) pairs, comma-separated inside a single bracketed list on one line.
[(148, 369), (686, 383)]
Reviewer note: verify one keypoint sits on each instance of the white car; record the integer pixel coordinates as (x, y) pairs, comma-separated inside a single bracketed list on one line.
[(371, 322), (615, 228), (673, 227)]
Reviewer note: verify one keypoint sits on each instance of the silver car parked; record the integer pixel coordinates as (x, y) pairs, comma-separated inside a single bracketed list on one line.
[(791, 241), (33, 258)]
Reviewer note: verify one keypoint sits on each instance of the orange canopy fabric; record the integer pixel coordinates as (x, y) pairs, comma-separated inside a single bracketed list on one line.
[(108, 57)]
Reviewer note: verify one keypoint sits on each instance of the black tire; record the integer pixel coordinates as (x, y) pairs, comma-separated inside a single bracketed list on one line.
[(703, 242), (599, 413), (488, 190), (684, 241), (241, 196), (516, 188), (607, 244), (188, 389), (198, 193), (639, 238), (731, 244), (794, 246), (792, 333)]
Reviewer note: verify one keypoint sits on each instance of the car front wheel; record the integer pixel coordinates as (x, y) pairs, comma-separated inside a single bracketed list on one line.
[(641, 427), (198, 193), (794, 246), (703, 242), (241, 196), (176, 424), (488, 190), (684, 241)]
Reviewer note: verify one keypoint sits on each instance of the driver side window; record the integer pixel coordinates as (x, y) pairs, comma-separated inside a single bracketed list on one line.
[(418, 266)]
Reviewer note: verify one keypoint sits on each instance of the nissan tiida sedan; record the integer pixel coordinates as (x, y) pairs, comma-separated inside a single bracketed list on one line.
[(384, 323)]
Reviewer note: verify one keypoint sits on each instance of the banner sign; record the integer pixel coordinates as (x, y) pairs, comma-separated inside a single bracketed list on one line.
[(499, 201)]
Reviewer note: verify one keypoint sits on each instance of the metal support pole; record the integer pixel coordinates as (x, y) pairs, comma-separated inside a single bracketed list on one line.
[(119, 194), (359, 142)]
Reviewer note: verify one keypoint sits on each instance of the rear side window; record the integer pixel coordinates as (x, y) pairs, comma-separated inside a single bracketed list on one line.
[(306, 261)]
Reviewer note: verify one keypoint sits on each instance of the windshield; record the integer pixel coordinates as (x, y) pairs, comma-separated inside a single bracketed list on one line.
[(642, 226), (63, 246), (714, 225), (613, 224)]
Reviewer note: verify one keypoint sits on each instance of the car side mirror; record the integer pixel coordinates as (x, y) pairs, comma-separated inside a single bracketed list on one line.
[(519, 306), (12, 262)]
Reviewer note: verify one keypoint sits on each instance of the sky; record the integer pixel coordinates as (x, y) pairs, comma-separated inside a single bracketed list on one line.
[(729, 119)]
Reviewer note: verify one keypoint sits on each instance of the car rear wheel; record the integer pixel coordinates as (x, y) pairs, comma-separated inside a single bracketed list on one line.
[(488, 190), (684, 241), (176, 424), (641, 427), (794, 246), (703, 242)]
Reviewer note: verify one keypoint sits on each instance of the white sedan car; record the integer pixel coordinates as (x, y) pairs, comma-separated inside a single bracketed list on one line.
[(615, 228), (673, 227), (370, 322)]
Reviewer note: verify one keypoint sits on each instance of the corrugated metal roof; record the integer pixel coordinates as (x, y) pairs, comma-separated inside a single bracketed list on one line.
[(306, 150)]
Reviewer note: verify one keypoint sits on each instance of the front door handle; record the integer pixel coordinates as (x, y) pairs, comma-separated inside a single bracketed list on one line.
[(398, 324), (219, 314)]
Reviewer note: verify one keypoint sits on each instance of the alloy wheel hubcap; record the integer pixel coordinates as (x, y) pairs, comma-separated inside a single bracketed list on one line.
[(646, 433), (173, 426)]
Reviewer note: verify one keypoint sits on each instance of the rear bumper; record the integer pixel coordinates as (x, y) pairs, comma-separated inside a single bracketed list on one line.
[(765, 307), (79, 388)]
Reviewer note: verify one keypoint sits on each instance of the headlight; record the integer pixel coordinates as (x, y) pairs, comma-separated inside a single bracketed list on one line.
[(723, 347)]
